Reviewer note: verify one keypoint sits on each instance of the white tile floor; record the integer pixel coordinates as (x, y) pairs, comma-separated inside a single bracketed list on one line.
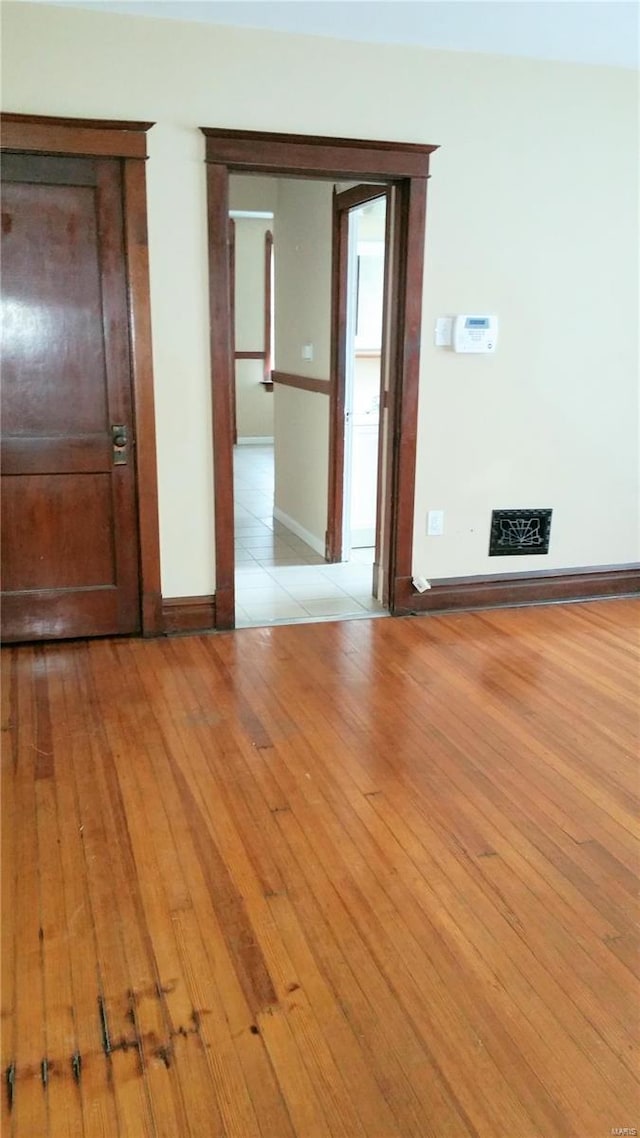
[(279, 578)]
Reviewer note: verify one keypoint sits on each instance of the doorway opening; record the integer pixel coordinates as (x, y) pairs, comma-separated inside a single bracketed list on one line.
[(284, 328), (401, 170), (279, 578), (363, 374)]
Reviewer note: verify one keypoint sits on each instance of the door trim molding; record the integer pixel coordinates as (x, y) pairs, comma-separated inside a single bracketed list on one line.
[(400, 165), (91, 138), (37, 134)]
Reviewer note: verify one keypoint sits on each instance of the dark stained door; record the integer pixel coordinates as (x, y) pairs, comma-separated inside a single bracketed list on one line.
[(69, 519)]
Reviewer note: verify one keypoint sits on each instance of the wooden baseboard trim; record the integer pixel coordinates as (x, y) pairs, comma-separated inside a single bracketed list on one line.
[(304, 382), (188, 614), (510, 590)]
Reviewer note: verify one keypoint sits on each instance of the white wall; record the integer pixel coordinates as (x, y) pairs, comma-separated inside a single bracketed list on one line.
[(532, 214)]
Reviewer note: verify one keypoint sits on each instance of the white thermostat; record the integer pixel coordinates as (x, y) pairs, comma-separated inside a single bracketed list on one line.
[(475, 333)]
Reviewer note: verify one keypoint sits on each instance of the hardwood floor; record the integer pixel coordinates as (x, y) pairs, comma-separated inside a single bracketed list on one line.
[(374, 878)]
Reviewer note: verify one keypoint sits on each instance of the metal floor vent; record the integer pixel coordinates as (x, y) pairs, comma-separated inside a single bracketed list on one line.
[(519, 532)]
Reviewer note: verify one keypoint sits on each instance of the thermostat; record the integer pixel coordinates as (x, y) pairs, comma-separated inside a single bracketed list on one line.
[(475, 333)]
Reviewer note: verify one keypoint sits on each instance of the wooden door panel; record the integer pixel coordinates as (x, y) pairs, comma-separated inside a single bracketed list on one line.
[(70, 539), (53, 347), (54, 541), (72, 455), (57, 615)]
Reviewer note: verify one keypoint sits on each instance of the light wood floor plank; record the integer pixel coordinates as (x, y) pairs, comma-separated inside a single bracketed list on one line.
[(107, 892), (10, 823), (371, 879), (87, 1066), (196, 845), (30, 1113)]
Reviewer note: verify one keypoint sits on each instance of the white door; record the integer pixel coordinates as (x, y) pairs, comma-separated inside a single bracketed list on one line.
[(352, 315), (365, 288)]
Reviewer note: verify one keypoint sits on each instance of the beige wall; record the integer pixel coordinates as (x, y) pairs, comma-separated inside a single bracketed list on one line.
[(532, 214), (303, 276), (254, 404), (302, 316), (301, 433), (252, 192)]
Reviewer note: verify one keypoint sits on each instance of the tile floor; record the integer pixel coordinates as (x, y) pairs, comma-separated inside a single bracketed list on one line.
[(279, 578)]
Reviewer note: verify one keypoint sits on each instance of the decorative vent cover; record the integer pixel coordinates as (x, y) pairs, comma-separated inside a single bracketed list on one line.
[(519, 532)]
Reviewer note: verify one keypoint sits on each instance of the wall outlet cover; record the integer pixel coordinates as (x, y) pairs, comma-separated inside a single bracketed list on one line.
[(519, 533)]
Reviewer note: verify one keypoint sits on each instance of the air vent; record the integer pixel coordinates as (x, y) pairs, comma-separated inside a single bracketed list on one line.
[(519, 533)]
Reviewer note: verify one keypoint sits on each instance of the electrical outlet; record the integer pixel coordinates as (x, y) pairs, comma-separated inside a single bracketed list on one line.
[(307, 351), (435, 523)]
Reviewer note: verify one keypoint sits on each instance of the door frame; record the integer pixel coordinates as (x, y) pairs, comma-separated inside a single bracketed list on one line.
[(405, 168), (91, 138), (343, 203)]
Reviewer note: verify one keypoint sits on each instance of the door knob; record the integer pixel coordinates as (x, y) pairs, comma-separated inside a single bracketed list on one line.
[(120, 443)]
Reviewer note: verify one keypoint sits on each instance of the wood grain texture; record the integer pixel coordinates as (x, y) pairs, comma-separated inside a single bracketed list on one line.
[(137, 254), (404, 379), (70, 524), (221, 334), (540, 587), (316, 157), (372, 878), (90, 137), (188, 614)]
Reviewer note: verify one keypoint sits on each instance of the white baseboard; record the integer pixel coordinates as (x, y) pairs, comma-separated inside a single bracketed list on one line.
[(364, 538), (255, 440), (299, 530)]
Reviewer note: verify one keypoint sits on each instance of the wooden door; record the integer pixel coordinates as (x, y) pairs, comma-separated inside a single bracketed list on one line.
[(70, 551)]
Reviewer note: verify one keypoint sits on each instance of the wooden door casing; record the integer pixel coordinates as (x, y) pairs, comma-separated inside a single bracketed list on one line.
[(403, 167), (70, 550)]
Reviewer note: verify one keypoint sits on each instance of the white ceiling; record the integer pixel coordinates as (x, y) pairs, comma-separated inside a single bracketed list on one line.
[(579, 31)]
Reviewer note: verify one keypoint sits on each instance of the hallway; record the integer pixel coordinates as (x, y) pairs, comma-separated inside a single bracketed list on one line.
[(279, 578)]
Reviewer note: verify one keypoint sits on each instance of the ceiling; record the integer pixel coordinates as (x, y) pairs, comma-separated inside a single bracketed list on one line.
[(578, 31)]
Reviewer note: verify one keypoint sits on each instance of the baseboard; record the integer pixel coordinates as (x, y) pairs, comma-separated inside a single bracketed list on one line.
[(255, 440), (198, 614), (513, 589), (188, 614), (310, 538)]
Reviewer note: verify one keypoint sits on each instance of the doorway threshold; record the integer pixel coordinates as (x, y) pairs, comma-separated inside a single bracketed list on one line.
[(271, 622)]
